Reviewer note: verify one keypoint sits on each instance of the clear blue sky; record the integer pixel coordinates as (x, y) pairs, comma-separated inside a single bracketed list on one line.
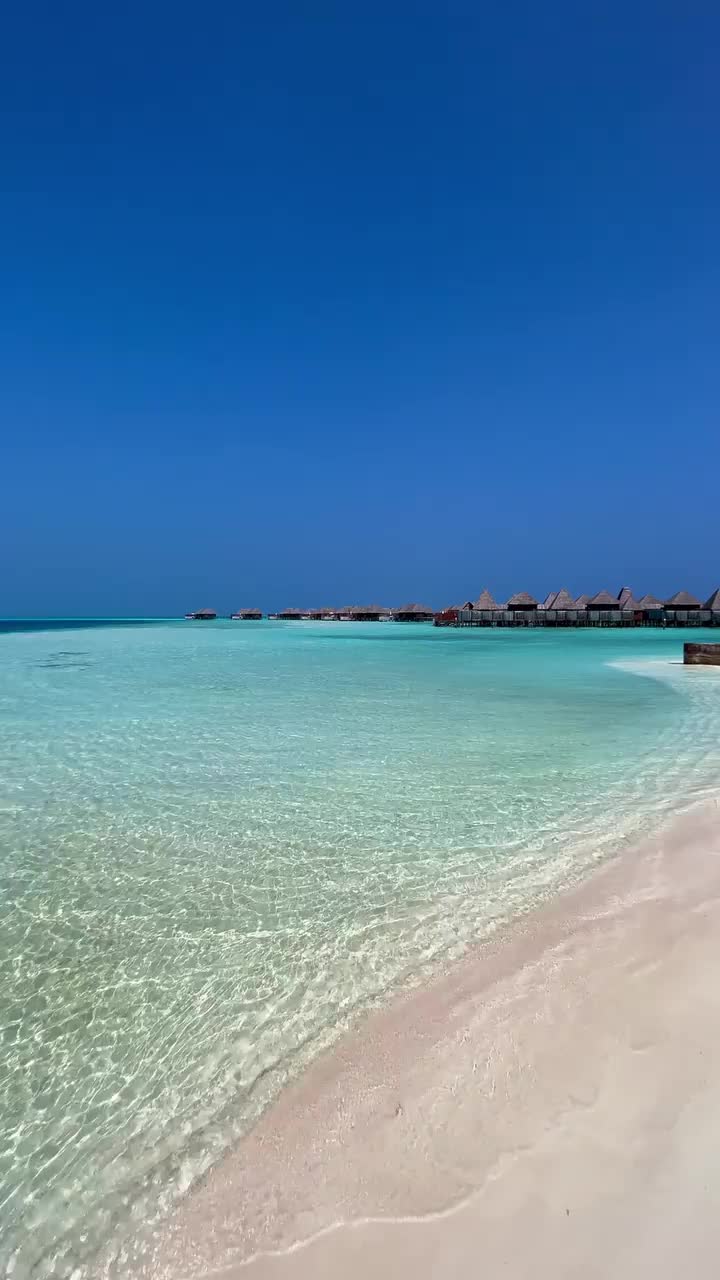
[(312, 303)]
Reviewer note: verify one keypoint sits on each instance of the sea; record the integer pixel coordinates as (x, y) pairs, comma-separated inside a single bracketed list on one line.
[(219, 842)]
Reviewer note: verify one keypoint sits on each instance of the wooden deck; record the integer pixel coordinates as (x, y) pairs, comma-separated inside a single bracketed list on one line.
[(583, 618)]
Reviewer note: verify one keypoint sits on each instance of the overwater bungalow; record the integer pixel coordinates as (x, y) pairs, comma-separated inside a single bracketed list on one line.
[(631, 610), (684, 609), (202, 615), (325, 614), (562, 602), (368, 612), (557, 610), (413, 613), (582, 602), (522, 601), (485, 605), (641, 612), (602, 602), (293, 615), (246, 615), (683, 600), (484, 601)]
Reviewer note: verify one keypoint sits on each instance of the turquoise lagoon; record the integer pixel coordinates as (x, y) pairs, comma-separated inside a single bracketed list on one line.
[(219, 841)]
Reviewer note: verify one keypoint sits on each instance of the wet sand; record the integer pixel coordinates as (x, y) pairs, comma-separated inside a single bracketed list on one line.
[(548, 1108)]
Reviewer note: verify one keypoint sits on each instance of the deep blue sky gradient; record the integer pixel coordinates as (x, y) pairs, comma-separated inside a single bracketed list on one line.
[(316, 303)]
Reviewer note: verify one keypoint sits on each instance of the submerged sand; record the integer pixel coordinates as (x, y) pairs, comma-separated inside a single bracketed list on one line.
[(549, 1108)]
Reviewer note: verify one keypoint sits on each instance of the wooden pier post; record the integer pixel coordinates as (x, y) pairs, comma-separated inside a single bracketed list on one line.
[(701, 655)]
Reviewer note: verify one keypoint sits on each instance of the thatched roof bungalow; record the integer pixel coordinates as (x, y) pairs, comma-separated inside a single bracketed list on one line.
[(683, 600), (202, 615), (602, 601), (484, 601), (293, 615), (714, 601), (522, 600), (582, 602), (649, 602), (413, 613), (368, 612), (247, 615), (562, 601)]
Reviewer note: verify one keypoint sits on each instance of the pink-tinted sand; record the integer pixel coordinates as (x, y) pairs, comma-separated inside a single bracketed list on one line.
[(549, 1108)]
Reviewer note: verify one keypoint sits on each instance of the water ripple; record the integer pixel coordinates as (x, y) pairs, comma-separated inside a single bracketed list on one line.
[(215, 847)]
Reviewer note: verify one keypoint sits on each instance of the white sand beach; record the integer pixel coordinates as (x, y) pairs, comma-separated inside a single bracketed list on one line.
[(549, 1108)]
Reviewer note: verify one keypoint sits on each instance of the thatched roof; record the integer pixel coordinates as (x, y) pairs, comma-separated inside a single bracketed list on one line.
[(548, 601), (485, 600), (522, 600), (204, 613), (563, 600), (650, 602), (582, 602), (625, 593), (239, 611), (293, 613), (683, 600), (630, 605), (603, 600), (414, 608), (714, 601)]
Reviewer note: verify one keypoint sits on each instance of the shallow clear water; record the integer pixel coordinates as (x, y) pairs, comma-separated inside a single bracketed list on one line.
[(218, 840)]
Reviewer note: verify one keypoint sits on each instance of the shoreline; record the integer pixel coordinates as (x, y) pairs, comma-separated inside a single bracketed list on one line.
[(545, 1106)]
